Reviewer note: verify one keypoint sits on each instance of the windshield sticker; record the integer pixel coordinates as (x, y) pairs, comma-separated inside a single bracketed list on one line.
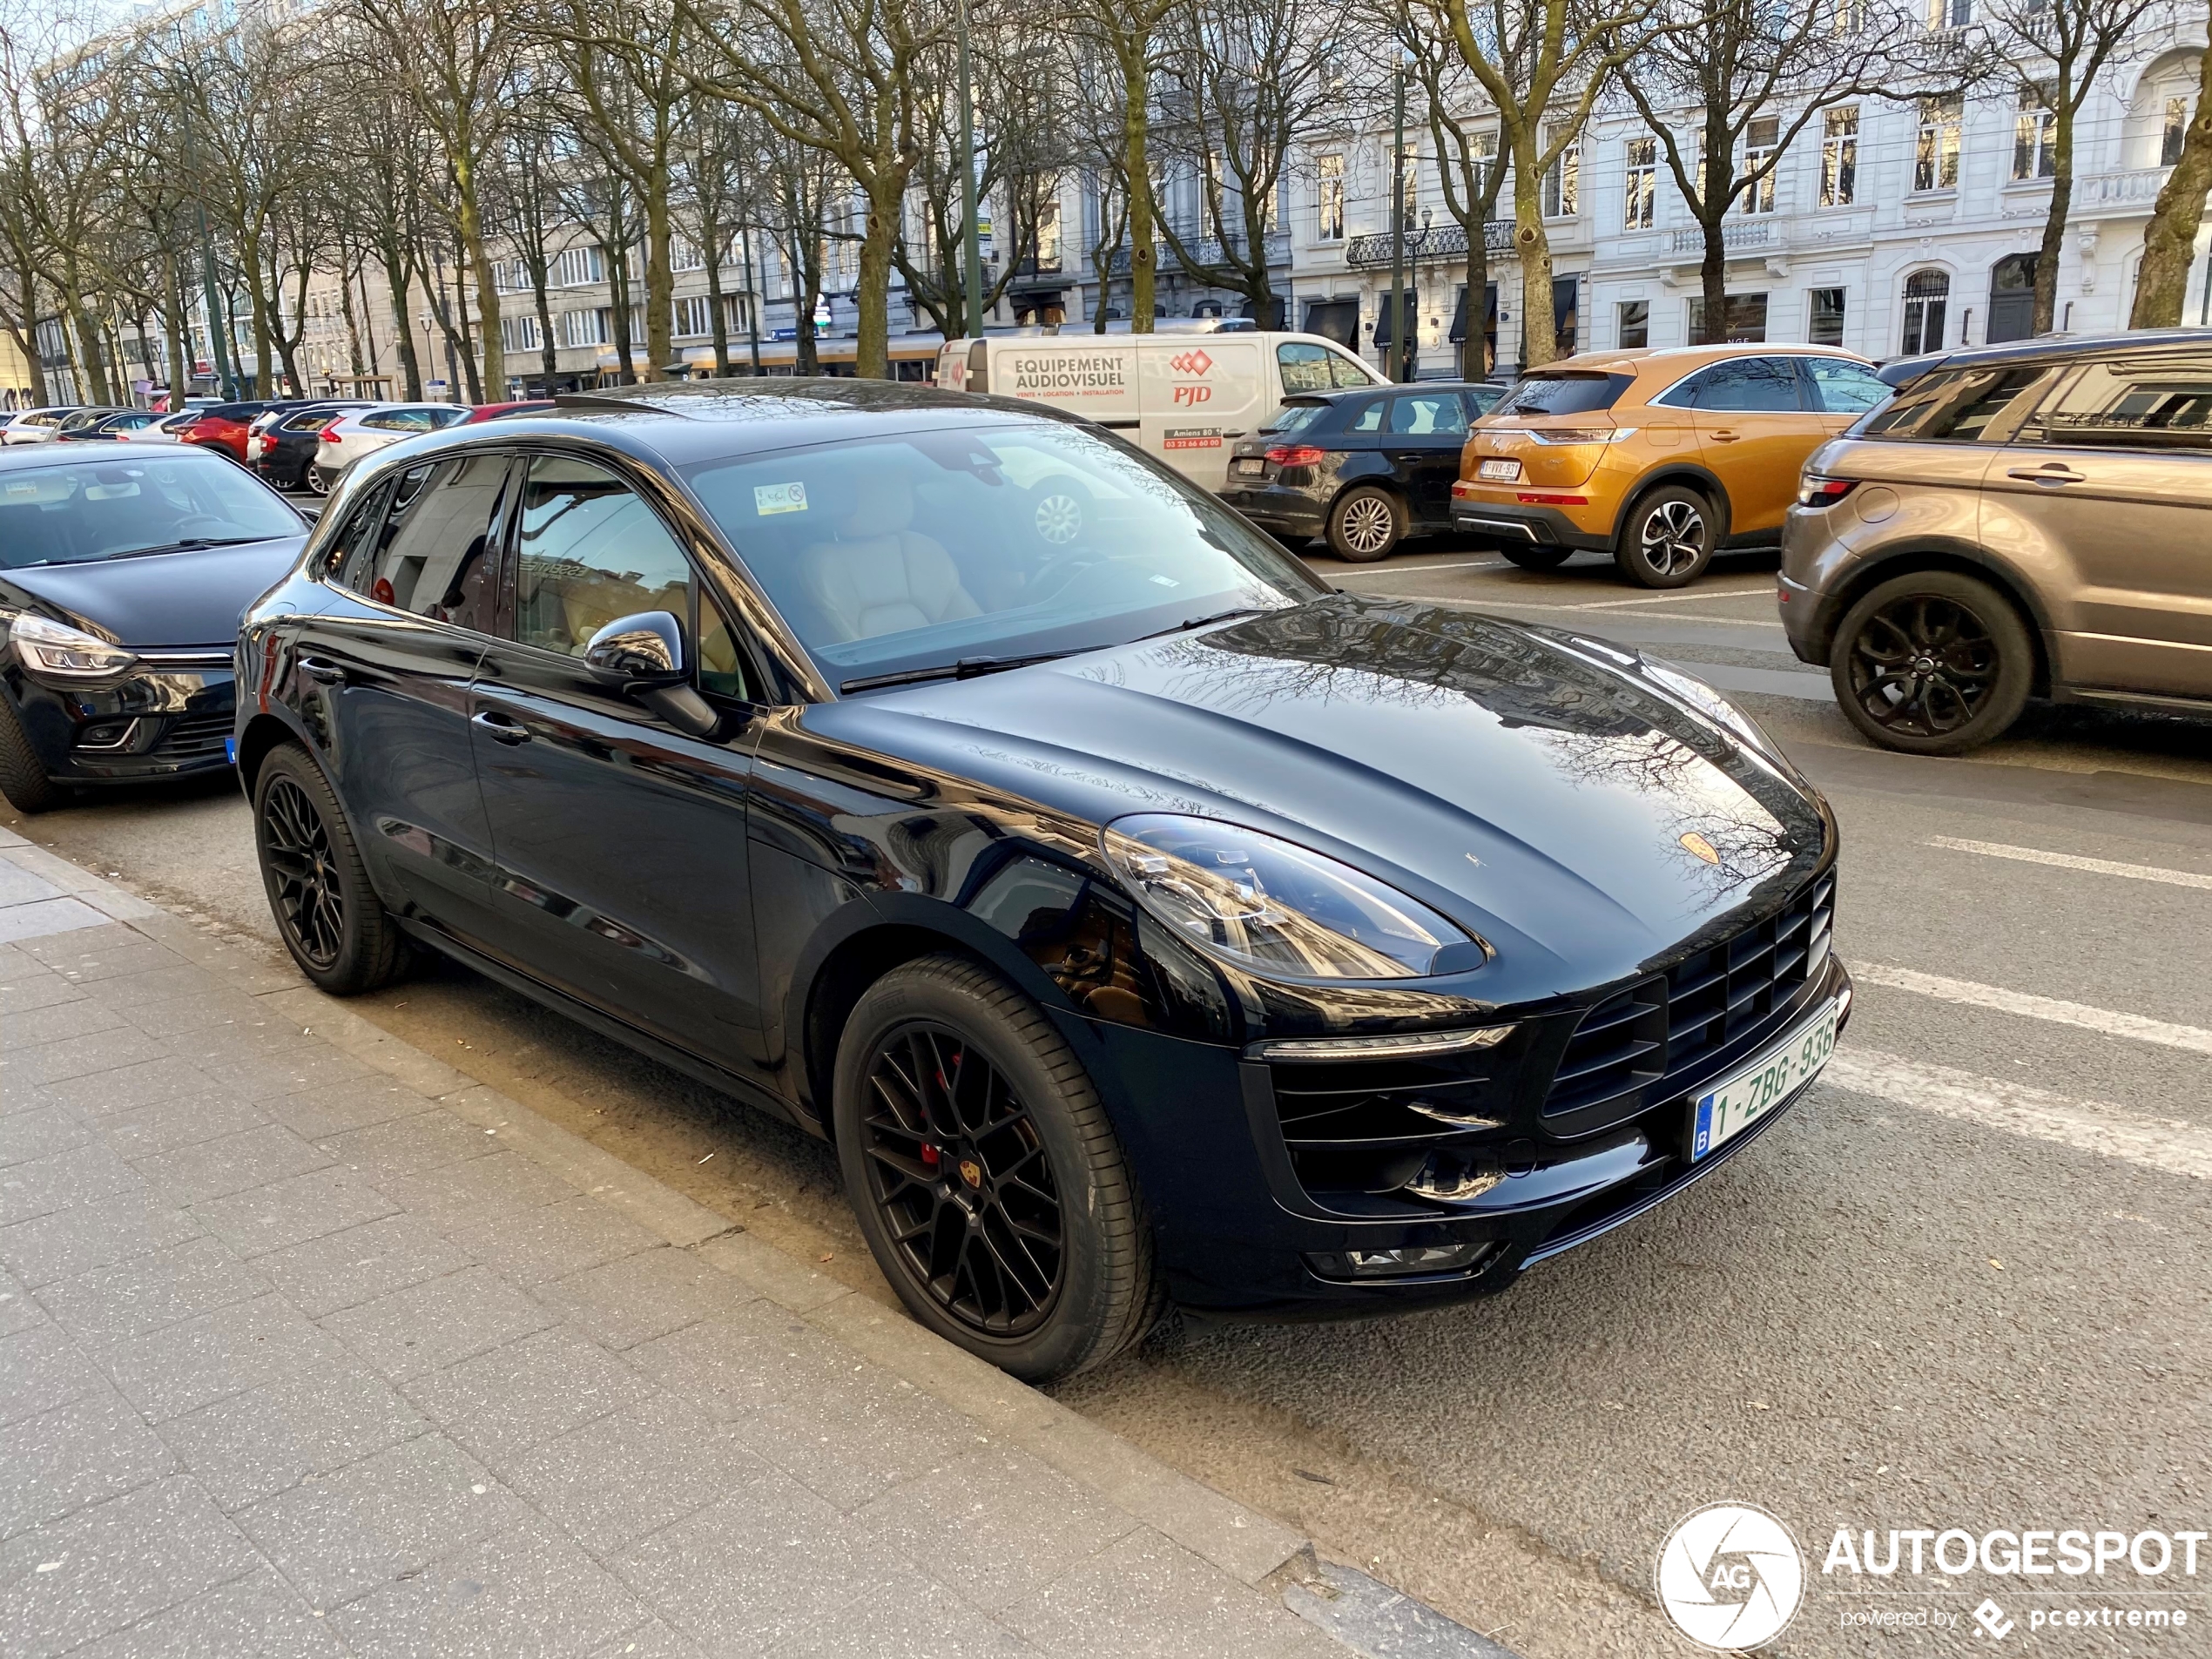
[(779, 498)]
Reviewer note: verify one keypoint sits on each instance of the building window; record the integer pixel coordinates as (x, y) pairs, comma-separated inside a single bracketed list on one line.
[(585, 327), (1410, 186), (1827, 317), (694, 316), (1482, 151), (519, 334), (1839, 157), (736, 317), (1635, 324), (1851, 18), (1048, 234), (683, 256), (2035, 132), (578, 268), (1935, 158), (1563, 180), (1331, 202), (1950, 14), (1643, 185), (2175, 130), (1926, 295), (1745, 323), (1762, 137)]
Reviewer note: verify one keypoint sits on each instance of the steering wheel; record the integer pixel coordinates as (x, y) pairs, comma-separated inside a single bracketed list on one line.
[(1066, 568), (198, 523)]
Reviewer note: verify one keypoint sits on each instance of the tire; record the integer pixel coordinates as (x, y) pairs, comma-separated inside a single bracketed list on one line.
[(24, 779), (334, 924), (1666, 539), (1935, 662), (925, 1053), (1535, 556), (1365, 523), (311, 480)]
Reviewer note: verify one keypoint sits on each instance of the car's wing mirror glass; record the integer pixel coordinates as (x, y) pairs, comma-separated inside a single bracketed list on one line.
[(645, 649)]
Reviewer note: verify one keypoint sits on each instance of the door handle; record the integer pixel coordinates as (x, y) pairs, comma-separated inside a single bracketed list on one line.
[(499, 727), (2056, 472), (320, 672), (1724, 436)]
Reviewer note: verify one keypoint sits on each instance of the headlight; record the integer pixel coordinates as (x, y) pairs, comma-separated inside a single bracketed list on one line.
[(69, 653), (1278, 908), (1708, 703)]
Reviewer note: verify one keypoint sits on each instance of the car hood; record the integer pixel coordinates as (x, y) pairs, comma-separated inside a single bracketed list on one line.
[(1537, 788), (190, 598)]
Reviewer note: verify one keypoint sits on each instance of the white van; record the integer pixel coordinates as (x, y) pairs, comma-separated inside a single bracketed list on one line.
[(1186, 397)]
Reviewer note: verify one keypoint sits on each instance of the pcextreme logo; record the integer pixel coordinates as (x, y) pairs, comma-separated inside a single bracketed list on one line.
[(1730, 1576), (1190, 362)]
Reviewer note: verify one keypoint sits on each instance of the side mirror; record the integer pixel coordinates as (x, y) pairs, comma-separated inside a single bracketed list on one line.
[(641, 649)]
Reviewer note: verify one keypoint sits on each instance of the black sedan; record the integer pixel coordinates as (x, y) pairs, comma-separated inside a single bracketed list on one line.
[(1366, 469), (123, 573), (1141, 918)]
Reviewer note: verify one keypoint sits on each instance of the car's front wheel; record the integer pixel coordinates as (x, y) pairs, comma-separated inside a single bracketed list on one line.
[(1935, 662), (1667, 539), (1365, 524), (23, 778), (332, 921), (986, 1179)]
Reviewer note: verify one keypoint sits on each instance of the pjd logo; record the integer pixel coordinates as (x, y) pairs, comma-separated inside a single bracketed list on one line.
[(1190, 362), (1730, 1577)]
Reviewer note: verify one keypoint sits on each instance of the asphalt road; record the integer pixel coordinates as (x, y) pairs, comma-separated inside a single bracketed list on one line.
[(1963, 1284)]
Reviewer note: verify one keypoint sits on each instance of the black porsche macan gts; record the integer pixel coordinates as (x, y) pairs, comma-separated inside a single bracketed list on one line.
[(1142, 920)]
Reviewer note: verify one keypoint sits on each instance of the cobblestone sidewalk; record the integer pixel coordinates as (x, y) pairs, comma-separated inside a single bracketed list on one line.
[(308, 1345)]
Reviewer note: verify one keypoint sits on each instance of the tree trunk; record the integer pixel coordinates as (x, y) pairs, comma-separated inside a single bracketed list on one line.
[(617, 261), (396, 279), (353, 323), (174, 324), (1137, 168), (2169, 242), (871, 349), (711, 228), (1539, 328), (468, 224), (660, 283), (2053, 244)]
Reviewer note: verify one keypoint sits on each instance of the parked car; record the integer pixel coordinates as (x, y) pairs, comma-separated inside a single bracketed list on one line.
[(1142, 919), (104, 425), (122, 576), (34, 426), (226, 426), (1366, 469), (2029, 520), (1659, 457), (283, 450), (164, 428), (1184, 396), (356, 436)]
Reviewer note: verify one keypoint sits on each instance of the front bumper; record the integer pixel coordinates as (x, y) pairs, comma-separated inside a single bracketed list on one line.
[(1520, 522), (170, 719)]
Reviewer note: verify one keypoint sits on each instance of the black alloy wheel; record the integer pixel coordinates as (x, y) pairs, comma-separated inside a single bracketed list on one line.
[(1667, 539), (963, 1180), (1935, 662), (332, 921), (986, 1175)]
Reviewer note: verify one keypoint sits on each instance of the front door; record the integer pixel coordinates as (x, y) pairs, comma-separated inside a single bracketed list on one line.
[(1424, 434), (1754, 434), (1199, 394), (2111, 480), (383, 673), (619, 839)]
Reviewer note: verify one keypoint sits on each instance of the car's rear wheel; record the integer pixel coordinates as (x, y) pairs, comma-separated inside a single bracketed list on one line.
[(986, 1179), (1667, 539), (1367, 523), (1535, 556), (332, 921), (312, 481), (23, 778), (1935, 662)]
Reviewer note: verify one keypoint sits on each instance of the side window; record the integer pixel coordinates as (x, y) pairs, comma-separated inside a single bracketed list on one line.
[(1684, 396), (1842, 387), (589, 551), (1429, 415), (436, 555), (1346, 371), (1369, 419), (1303, 367), (722, 665), (2131, 403), (1750, 386), (351, 554), (1963, 406)]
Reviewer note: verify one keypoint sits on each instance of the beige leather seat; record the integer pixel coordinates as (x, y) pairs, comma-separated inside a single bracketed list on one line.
[(880, 577)]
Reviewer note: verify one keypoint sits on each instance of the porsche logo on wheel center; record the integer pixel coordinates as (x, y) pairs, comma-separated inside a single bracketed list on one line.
[(971, 1172)]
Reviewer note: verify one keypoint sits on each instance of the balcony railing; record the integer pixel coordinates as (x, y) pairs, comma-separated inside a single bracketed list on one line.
[(1737, 236), (1426, 246), (1204, 251), (2139, 186)]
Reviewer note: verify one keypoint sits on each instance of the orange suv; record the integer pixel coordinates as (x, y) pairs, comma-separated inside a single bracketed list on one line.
[(1657, 457)]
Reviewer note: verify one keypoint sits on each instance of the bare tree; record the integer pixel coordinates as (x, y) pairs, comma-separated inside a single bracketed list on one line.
[(2169, 241), (1130, 37), (1469, 169)]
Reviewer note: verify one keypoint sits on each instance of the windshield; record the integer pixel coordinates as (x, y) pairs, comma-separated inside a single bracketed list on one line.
[(108, 508), (924, 549)]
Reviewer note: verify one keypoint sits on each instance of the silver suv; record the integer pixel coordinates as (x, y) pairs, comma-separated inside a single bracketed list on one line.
[(2032, 519)]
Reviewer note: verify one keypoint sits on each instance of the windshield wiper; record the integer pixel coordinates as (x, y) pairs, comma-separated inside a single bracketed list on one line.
[(190, 545), (967, 668), (1203, 621)]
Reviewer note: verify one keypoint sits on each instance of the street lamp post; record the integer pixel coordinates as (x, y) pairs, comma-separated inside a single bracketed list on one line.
[(1398, 353), (970, 234)]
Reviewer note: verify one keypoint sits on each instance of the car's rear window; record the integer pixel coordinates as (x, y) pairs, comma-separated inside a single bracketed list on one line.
[(1575, 392), (1295, 417)]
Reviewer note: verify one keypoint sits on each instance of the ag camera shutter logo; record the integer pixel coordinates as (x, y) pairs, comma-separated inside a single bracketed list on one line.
[(1730, 1577)]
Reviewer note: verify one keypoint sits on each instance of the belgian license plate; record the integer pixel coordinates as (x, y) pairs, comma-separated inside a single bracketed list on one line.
[(1742, 1100), (1503, 471), (1251, 467)]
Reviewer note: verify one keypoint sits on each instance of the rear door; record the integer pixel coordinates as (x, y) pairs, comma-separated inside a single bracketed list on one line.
[(1425, 432), (2110, 481), (618, 839), (1754, 434)]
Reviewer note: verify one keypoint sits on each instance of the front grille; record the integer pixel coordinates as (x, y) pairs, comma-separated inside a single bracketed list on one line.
[(1630, 1050), (195, 737)]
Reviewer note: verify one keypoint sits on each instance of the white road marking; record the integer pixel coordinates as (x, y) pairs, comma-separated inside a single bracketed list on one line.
[(2069, 861), (1495, 602), (2109, 1021), (1675, 598), (1457, 564), (2168, 1143)]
